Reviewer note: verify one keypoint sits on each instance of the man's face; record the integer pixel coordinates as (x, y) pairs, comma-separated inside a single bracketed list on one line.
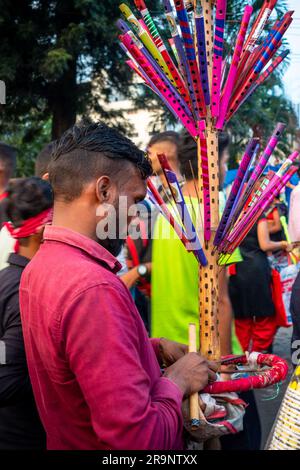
[(169, 149), (120, 209)]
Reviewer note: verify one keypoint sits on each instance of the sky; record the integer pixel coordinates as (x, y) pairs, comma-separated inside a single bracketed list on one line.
[(292, 75)]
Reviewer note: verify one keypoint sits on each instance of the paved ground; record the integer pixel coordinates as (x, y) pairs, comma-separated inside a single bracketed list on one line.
[(269, 400)]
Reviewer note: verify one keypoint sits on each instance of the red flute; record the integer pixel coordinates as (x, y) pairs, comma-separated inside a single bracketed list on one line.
[(161, 84), (265, 56), (256, 30), (261, 79), (154, 34), (233, 71)]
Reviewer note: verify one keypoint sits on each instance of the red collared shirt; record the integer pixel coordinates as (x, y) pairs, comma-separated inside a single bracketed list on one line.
[(94, 372)]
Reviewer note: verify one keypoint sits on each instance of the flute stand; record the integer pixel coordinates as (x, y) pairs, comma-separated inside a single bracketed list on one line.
[(208, 275)]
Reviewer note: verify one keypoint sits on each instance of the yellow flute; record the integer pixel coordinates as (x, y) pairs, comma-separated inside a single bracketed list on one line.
[(146, 40)]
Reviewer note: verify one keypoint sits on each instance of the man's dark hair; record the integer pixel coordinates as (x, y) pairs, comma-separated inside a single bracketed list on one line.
[(86, 152), (187, 153), (26, 198), (167, 136), (43, 160), (8, 159)]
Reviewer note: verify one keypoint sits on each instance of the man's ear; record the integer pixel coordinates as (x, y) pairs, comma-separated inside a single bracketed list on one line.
[(105, 190)]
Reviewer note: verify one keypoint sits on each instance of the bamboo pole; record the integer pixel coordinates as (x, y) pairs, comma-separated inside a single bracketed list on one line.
[(194, 403), (208, 275)]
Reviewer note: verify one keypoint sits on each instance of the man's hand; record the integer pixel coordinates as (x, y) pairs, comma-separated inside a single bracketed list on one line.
[(170, 351), (191, 373)]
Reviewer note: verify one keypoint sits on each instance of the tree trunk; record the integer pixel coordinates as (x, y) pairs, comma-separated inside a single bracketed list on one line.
[(63, 102)]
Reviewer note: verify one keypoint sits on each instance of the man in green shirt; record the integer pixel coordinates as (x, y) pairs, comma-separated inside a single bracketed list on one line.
[(175, 300)]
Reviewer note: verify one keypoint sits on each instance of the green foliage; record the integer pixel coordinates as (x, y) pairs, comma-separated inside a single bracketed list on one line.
[(61, 60)]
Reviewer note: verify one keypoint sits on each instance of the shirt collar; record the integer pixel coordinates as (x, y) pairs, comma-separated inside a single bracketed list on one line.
[(17, 260), (77, 240)]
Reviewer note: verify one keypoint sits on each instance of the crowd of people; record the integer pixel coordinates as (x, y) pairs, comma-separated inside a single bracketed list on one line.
[(93, 326)]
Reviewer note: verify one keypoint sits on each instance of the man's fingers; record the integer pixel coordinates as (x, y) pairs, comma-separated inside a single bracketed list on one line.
[(213, 366), (212, 377)]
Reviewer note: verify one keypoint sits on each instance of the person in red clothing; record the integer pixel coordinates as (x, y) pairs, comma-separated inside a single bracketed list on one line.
[(96, 375)]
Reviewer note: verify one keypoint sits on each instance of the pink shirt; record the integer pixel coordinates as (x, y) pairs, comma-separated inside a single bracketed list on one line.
[(94, 372)]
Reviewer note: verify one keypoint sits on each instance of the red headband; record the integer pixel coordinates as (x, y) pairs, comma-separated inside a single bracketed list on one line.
[(29, 226)]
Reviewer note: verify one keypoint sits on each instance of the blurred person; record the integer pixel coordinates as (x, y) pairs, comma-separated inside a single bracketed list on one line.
[(28, 206), (95, 374), (139, 250), (175, 297), (8, 157), (165, 142), (250, 289), (294, 213)]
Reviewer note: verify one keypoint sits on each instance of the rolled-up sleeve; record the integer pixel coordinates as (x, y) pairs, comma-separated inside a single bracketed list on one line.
[(129, 408)]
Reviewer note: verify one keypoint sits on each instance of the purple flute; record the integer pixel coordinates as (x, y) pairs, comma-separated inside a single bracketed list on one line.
[(217, 57), (250, 149), (264, 204), (269, 189)]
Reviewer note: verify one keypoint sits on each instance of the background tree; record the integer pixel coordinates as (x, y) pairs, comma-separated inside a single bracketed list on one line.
[(61, 60)]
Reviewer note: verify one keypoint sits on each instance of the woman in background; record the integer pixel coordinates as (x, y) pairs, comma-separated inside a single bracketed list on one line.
[(28, 207), (250, 289)]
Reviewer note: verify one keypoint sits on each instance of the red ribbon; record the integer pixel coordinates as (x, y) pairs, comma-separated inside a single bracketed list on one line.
[(29, 226)]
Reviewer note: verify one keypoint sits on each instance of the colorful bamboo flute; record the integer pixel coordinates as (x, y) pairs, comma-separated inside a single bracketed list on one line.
[(124, 28), (261, 165), (188, 42), (180, 52), (270, 189), (263, 204), (140, 4), (217, 56), (260, 80), (182, 209), (233, 71), (202, 57), (256, 30), (250, 149), (202, 146), (265, 55), (146, 40), (159, 203), (175, 101)]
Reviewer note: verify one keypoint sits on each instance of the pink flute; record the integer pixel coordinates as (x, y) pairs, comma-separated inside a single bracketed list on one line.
[(261, 164), (256, 30), (152, 87), (217, 56), (234, 67), (263, 206), (270, 188), (155, 36), (261, 79), (266, 55), (205, 181), (162, 86)]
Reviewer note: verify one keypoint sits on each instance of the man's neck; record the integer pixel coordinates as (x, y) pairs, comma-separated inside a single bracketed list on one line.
[(190, 188), (73, 218)]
